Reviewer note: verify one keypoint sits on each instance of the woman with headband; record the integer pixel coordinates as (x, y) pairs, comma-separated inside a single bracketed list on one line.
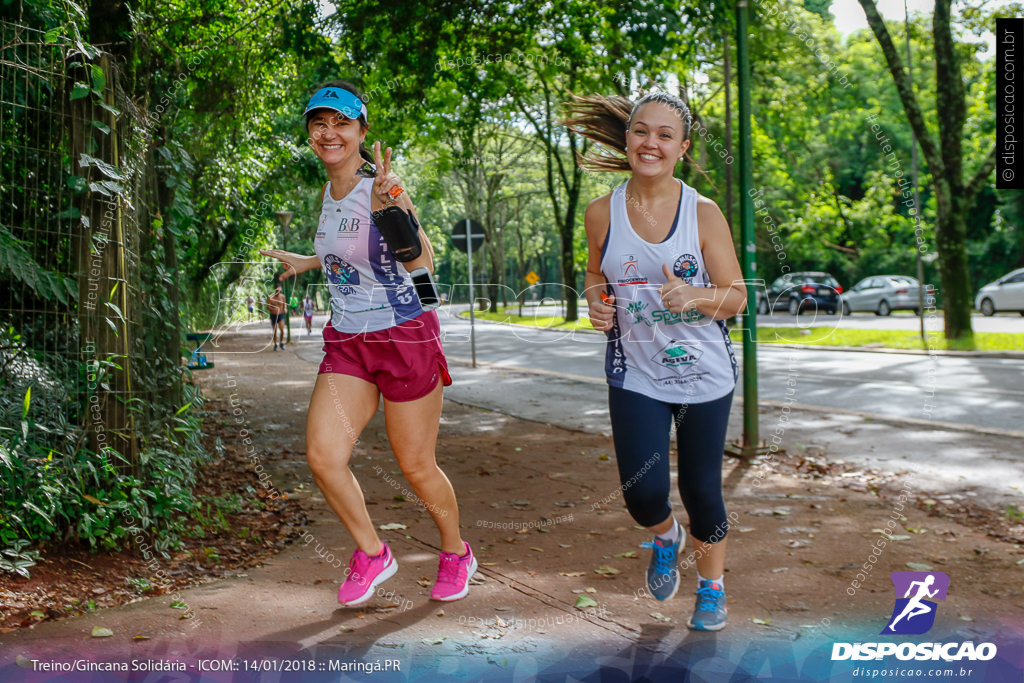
[(379, 341), (662, 277)]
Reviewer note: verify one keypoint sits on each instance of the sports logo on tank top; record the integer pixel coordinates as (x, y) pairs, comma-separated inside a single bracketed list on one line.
[(348, 227), (340, 274), (685, 267), (631, 271), (679, 357)]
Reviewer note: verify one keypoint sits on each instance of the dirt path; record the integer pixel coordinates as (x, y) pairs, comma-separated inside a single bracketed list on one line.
[(541, 507)]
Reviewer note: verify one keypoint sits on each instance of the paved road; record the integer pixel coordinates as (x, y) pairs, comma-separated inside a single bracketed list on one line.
[(982, 392), (557, 378), (965, 390)]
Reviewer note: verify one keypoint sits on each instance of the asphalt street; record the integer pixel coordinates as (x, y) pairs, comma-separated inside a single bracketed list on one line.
[(893, 411), (977, 391)]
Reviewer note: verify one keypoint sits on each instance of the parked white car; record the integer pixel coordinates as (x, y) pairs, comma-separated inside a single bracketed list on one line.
[(1005, 294), (883, 294)]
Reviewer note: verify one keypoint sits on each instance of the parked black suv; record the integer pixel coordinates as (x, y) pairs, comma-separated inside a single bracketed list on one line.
[(796, 292)]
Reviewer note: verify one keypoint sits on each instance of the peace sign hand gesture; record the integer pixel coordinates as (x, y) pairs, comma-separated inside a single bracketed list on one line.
[(387, 185)]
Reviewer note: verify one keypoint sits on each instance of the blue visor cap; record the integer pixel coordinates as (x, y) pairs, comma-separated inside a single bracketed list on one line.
[(337, 99)]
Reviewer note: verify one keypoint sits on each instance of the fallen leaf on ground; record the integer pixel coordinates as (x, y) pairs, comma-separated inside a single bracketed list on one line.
[(100, 632), (571, 573), (919, 566), (433, 641), (393, 526), (584, 601), (607, 571), (631, 554), (762, 622)]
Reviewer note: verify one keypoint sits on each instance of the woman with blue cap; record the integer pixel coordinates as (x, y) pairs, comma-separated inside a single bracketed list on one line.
[(380, 340)]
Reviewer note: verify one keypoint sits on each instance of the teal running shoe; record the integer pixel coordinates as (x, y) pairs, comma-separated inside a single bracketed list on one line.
[(709, 614), (662, 573)]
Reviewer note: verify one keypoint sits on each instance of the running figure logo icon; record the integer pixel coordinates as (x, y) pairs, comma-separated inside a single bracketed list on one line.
[(914, 612), (631, 265)]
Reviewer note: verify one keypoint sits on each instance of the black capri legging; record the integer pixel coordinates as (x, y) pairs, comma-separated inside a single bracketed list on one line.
[(640, 430)]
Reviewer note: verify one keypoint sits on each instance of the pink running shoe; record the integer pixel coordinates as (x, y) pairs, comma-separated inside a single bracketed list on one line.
[(453, 575), (365, 573)]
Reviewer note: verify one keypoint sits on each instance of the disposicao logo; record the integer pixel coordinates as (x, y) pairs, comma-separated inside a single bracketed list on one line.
[(913, 614)]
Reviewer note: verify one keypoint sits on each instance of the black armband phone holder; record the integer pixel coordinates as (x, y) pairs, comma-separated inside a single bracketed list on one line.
[(400, 231)]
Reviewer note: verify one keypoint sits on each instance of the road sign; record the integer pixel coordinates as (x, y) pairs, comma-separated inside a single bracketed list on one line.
[(459, 234), (532, 277)]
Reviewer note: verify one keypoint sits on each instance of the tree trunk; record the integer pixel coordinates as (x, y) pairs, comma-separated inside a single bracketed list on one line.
[(950, 236), (105, 309), (496, 269), (953, 197), (172, 349)]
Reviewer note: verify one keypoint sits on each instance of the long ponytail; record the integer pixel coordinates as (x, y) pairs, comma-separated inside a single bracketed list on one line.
[(605, 120)]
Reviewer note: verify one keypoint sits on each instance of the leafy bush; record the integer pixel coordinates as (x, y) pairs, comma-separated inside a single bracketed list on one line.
[(53, 489)]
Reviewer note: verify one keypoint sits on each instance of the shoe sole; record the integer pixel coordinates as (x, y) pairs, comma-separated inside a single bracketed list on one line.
[(384, 575), (702, 627), (465, 591)]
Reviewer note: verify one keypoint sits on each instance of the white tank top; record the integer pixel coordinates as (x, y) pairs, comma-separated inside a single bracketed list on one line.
[(369, 289), (672, 357)]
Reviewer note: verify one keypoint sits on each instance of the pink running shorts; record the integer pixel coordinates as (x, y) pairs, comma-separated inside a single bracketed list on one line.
[(404, 361)]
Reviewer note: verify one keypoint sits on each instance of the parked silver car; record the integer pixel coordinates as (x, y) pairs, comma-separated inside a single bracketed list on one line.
[(883, 294), (1005, 294)]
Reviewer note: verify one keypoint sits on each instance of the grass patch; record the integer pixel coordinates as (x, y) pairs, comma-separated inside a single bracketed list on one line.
[(889, 339), (555, 322)]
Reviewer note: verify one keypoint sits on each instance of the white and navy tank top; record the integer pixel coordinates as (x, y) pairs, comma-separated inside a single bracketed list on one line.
[(673, 357), (370, 291)]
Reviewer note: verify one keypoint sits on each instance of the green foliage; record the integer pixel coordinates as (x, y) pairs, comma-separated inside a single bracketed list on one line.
[(16, 559), (217, 146), (19, 264), (52, 489)]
